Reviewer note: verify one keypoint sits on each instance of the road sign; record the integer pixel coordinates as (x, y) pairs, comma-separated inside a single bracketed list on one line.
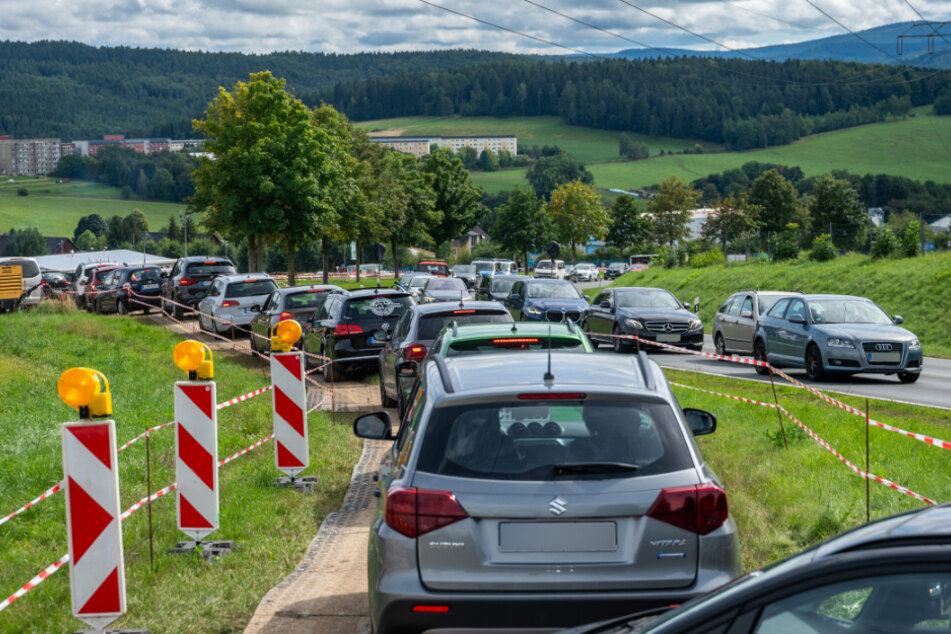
[(196, 457)]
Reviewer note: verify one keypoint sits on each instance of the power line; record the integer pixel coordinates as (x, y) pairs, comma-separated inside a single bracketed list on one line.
[(875, 46), (937, 31), (763, 15), (598, 28)]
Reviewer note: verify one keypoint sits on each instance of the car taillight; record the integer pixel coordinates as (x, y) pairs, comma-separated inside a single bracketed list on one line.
[(285, 315), (229, 303), (415, 353), (187, 281), (347, 329), (700, 509), (414, 512)]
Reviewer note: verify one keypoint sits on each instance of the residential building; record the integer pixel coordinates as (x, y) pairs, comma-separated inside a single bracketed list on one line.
[(421, 146), (28, 157), (417, 146), (468, 242), (58, 246)]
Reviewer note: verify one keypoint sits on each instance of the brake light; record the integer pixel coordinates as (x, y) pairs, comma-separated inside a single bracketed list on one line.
[(415, 353), (317, 290), (285, 315), (552, 396), (509, 340), (347, 329), (414, 512), (463, 312), (229, 303), (700, 509), (211, 262), (438, 609), (187, 281)]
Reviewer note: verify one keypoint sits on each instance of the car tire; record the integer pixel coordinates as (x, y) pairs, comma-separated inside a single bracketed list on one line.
[(620, 345), (720, 345), (177, 312), (759, 353), (813, 362), (908, 377), (121, 308), (384, 397), (331, 373), (594, 344)]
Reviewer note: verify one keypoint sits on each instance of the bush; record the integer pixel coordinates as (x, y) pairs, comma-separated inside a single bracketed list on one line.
[(786, 246), (170, 248), (707, 258), (884, 243), (201, 246), (911, 240), (23, 191), (822, 248)]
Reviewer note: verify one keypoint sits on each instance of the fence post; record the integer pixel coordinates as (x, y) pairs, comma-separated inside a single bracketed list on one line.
[(867, 483), (779, 413)]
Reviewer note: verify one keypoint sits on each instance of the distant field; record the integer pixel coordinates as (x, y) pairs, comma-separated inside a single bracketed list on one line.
[(51, 186), (494, 182), (58, 215)]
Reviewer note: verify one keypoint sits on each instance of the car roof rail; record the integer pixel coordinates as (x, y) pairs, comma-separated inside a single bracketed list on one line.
[(444, 374), (644, 365)]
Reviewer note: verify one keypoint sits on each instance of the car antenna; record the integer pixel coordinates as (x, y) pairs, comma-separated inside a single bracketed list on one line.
[(461, 300), (549, 378), (514, 328)]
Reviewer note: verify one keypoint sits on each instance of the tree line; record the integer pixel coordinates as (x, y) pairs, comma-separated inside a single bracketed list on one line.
[(158, 176)]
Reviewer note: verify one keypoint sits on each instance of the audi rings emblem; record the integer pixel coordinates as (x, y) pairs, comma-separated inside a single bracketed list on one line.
[(883, 347)]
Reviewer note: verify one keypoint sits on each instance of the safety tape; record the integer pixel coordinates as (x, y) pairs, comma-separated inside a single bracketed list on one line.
[(737, 398), (45, 494)]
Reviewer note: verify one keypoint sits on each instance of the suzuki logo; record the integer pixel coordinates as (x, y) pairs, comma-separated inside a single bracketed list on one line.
[(883, 347), (668, 327), (557, 506)]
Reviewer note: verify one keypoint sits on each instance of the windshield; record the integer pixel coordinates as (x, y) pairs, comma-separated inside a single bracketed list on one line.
[(377, 307), (520, 441), (584, 267), (846, 311), (545, 264), (28, 268), (430, 325), (502, 285), (484, 267), (250, 288), (616, 267), (647, 299), (308, 299), (445, 284), (210, 268), (553, 291), (465, 269), (516, 343)]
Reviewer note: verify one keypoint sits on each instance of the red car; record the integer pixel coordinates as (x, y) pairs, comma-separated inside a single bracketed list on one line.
[(96, 283)]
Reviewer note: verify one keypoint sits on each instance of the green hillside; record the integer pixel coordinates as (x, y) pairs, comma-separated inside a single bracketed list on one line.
[(919, 289)]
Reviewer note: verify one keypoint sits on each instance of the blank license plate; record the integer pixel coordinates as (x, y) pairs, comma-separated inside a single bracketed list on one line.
[(884, 357), (150, 287), (557, 537), (668, 338)]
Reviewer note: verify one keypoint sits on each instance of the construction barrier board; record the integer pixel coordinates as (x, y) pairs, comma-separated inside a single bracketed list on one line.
[(291, 451), (196, 458)]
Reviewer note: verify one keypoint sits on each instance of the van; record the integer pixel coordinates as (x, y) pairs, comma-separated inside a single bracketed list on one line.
[(32, 280), (552, 269)]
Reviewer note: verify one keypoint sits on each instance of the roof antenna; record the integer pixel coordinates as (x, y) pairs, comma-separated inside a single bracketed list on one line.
[(514, 328), (461, 299), (549, 378)]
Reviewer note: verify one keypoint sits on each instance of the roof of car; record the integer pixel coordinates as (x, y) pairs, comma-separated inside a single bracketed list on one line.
[(930, 521), (546, 280), (758, 292), (830, 296), (310, 287), (238, 277), (540, 328), (445, 307), (360, 292), (202, 258)]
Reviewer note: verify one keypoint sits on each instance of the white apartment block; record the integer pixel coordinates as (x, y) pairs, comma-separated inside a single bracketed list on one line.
[(496, 144), (29, 157)]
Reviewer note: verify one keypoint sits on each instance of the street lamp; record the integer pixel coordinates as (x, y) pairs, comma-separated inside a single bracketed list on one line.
[(184, 217)]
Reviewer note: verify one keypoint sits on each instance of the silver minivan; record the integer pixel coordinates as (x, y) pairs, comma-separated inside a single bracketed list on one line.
[(522, 497), (735, 322), (32, 281)]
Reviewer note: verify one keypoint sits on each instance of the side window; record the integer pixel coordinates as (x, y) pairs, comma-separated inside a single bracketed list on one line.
[(725, 308), (603, 297), (797, 308), (402, 328), (176, 269), (215, 289), (519, 289), (747, 309), (778, 309), (410, 424)]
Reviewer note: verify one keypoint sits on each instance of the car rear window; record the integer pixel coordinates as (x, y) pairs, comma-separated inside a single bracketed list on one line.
[(376, 307), (430, 325), (250, 288), (434, 268), (28, 268), (209, 268), (514, 342), (446, 284), (145, 275), (525, 441), (307, 299)]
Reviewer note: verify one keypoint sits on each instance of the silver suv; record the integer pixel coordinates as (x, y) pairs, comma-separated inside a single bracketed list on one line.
[(513, 499)]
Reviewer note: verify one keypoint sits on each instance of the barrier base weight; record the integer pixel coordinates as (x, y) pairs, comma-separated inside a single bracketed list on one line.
[(301, 484), (210, 551)]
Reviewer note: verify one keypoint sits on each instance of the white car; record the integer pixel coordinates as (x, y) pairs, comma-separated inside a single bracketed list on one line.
[(230, 298), (84, 273), (550, 269), (32, 281), (585, 272)]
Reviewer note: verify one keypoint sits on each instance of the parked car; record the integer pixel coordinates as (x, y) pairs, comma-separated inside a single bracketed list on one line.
[(416, 283), (497, 288), (550, 269), (299, 303), (437, 268), (615, 270), (444, 289), (520, 337), (495, 266), (546, 300), (514, 500), (83, 275), (32, 291), (735, 322), (468, 274), (144, 281), (231, 298), (650, 313), (190, 278), (99, 279), (56, 284), (352, 328), (890, 576), (413, 336), (836, 335), (584, 272)]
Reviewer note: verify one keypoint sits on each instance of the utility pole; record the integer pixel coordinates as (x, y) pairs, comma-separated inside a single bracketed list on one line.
[(921, 233), (184, 217)]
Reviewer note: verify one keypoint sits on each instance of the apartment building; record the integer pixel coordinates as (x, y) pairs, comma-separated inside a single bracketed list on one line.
[(421, 146), (28, 157), (417, 146)]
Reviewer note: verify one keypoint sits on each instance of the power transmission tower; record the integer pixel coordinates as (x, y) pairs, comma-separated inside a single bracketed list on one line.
[(927, 30)]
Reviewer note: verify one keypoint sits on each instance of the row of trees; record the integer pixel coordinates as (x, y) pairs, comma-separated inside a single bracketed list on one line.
[(158, 176)]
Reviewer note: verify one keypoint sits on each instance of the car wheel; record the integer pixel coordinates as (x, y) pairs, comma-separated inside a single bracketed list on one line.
[(384, 397), (759, 353), (814, 363), (720, 345), (331, 372), (594, 344), (908, 377), (620, 345), (177, 312), (121, 307)]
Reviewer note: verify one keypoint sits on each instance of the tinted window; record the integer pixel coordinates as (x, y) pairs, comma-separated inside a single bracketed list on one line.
[(430, 325), (484, 267), (766, 301), (553, 291), (445, 284), (516, 343), (797, 308), (209, 268), (648, 298), (250, 288), (27, 267), (376, 307), (436, 268), (778, 309), (725, 308), (145, 275), (464, 269), (515, 441), (307, 299), (502, 285)]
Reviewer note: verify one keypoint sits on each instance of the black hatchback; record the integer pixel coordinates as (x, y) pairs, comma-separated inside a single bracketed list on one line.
[(131, 288), (190, 278), (351, 329)]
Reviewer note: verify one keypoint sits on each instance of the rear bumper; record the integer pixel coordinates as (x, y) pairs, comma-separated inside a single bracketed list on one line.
[(345, 355)]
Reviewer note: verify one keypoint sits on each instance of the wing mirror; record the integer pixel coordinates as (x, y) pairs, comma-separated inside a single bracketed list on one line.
[(606, 305), (514, 297), (898, 319), (587, 298), (699, 421), (374, 426), (747, 314), (686, 305), (797, 319)]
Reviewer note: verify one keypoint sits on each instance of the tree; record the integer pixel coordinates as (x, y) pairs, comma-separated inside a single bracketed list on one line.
[(627, 226), (272, 171), (92, 222), (456, 198), (488, 161), (577, 214), (835, 202), (136, 226), (779, 202), (629, 148), (910, 240), (86, 241), (551, 171), (469, 157), (670, 210), (118, 233), (731, 219), (173, 231), (522, 225), (25, 243)]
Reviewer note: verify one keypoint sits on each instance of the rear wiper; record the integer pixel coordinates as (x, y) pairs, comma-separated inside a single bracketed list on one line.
[(576, 468)]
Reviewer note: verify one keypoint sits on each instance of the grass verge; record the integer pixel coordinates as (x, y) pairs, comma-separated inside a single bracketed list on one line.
[(783, 500), (271, 527)]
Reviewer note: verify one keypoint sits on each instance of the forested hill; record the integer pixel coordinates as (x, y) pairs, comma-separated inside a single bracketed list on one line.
[(74, 91), (742, 104)]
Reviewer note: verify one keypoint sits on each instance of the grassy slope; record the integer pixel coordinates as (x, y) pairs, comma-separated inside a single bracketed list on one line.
[(919, 289), (271, 527), (57, 215)]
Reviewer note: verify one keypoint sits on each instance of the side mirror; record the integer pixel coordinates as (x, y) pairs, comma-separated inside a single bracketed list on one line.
[(587, 298), (797, 319), (406, 370), (747, 314), (686, 305), (700, 422), (373, 426), (514, 297), (606, 305), (898, 319)]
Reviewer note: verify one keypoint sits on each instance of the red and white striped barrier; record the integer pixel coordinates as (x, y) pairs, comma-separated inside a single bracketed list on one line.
[(196, 458), (291, 451), (97, 569), (42, 496), (736, 398)]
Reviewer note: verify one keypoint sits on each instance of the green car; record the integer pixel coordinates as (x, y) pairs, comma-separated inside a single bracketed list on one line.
[(532, 336)]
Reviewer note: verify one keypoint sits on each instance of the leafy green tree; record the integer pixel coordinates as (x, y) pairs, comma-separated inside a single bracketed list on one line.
[(627, 226), (629, 148), (732, 218), (173, 231), (835, 202), (549, 172), (522, 224), (779, 202), (149, 246), (456, 198), (670, 210), (884, 243), (92, 222), (823, 249), (469, 157), (786, 244), (86, 241), (170, 248), (136, 226), (488, 161), (577, 214), (25, 243), (118, 232), (911, 240)]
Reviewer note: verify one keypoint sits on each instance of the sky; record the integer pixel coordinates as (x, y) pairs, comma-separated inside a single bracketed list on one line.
[(351, 26)]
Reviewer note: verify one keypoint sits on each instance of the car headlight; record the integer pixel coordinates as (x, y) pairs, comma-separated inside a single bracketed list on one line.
[(836, 342), (532, 310), (914, 345), (633, 323), (695, 324)]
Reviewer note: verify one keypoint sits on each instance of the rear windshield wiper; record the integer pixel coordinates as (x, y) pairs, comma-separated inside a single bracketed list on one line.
[(577, 468)]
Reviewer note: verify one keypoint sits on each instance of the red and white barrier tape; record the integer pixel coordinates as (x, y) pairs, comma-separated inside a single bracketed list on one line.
[(737, 398), (35, 581), (45, 494)]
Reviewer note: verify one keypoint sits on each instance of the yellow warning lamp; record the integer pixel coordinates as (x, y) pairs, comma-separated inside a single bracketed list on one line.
[(190, 356), (87, 390), (284, 335)]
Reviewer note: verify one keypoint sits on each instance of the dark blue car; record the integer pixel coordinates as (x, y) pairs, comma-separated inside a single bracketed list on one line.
[(540, 300)]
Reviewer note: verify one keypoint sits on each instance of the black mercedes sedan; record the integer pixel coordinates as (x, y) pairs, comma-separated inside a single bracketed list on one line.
[(650, 313)]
